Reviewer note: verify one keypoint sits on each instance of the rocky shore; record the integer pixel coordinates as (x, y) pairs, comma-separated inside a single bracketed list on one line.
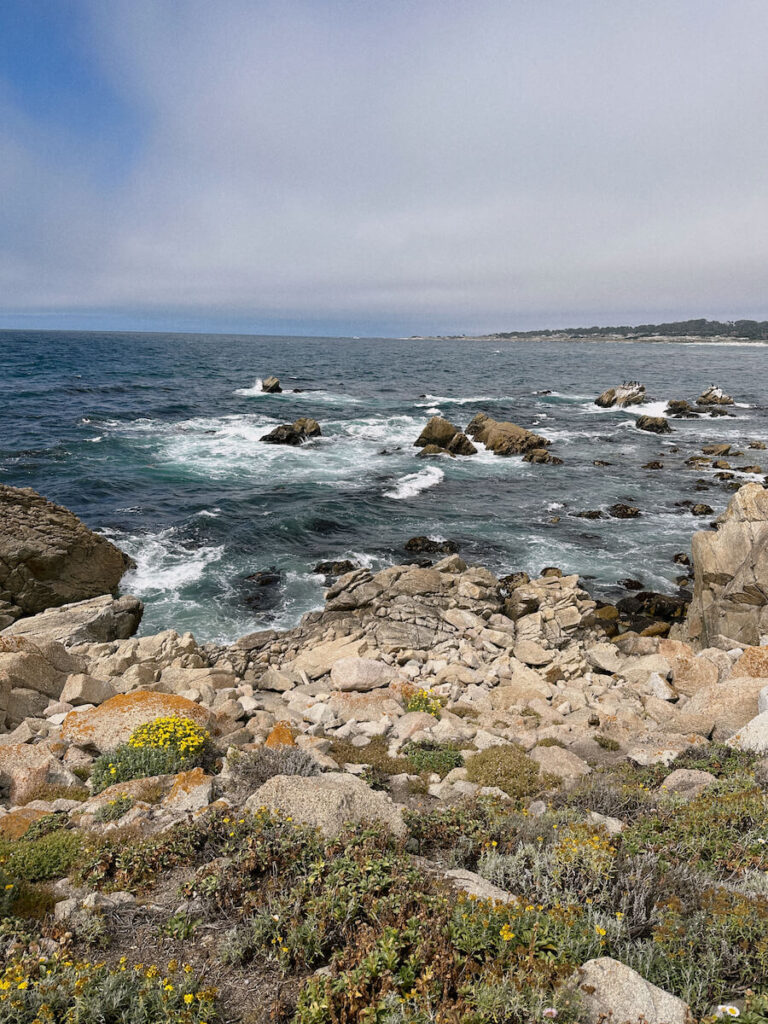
[(509, 746)]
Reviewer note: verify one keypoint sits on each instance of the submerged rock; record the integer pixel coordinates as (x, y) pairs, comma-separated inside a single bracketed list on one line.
[(425, 545), (622, 511)]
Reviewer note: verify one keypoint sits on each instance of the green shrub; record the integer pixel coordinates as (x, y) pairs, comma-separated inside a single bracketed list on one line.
[(113, 810), (247, 770), (49, 793), (607, 742), (432, 757), (38, 859), (510, 769), (35, 989)]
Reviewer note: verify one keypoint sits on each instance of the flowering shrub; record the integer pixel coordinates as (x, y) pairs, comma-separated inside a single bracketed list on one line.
[(42, 990), (423, 700), (162, 747), (113, 810)]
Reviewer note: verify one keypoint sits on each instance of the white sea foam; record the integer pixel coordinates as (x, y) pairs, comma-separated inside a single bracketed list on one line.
[(163, 563), (95, 440), (414, 483), (254, 391)]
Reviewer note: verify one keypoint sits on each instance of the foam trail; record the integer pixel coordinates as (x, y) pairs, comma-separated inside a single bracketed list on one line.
[(163, 563), (413, 484)]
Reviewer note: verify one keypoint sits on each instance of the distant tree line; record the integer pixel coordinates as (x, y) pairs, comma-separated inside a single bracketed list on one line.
[(755, 330)]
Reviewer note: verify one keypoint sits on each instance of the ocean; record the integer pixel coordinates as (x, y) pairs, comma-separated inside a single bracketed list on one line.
[(154, 440)]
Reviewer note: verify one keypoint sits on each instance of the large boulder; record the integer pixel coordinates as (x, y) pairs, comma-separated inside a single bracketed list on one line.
[(714, 395), (111, 724), (628, 393), (753, 736), (293, 434), (503, 437), (360, 674), (328, 802), (611, 991), (25, 768), (730, 590), (653, 424), (48, 557), (722, 708), (271, 385), (99, 620), (438, 431)]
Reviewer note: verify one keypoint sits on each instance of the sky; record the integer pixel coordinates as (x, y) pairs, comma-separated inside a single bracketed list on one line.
[(375, 167)]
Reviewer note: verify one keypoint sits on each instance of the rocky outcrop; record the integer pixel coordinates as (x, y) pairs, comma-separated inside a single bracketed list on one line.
[(48, 557), (730, 565), (680, 409), (440, 435), (503, 437), (653, 424), (293, 434), (714, 395), (628, 393), (271, 385), (100, 620), (111, 724)]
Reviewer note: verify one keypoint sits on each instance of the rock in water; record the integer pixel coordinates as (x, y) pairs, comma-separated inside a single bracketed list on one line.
[(628, 393), (622, 511), (714, 396), (440, 435), (679, 408), (48, 557), (730, 592), (438, 431), (653, 424), (504, 438), (271, 385), (293, 434)]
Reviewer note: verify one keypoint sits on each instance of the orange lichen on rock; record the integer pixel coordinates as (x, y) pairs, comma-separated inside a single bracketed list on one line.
[(280, 736), (191, 791), (15, 824), (112, 723)]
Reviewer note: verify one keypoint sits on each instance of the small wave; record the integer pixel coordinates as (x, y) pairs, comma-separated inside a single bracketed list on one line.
[(413, 484), (164, 563), (95, 440), (253, 392)]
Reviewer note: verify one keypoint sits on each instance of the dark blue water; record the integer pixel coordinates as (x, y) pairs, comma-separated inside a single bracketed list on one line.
[(154, 440)]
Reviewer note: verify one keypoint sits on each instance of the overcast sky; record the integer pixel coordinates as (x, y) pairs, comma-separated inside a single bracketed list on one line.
[(382, 166)]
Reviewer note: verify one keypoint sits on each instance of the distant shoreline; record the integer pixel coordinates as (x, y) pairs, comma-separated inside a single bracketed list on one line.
[(655, 338)]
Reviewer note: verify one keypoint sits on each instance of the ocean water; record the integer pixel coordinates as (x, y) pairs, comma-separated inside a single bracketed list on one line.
[(154, 440)]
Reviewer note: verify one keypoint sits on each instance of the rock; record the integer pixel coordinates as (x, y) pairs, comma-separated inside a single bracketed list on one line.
[(731, 574), (25, 768), (274, 679), (700, 509), (562, 763), (622, 511), (504, 438), (360, 674), (687, 782), (281, 735), (85, 689), (541, 457), (425, 545), (604, 657), (271, 385), (653, 424), (754, 735), (99, 620), (721, 709), (714, 395), (318, 661), (531, 653), (460, 445), (339, 568), (752, 662), (647, 607), (628, 393), (429, 451), (611, 991), (477, 887), (678, 407), (293, 434), (111, 724), (655, 464), (33, 672), (48, 557), (438, 431), (613, 826), (328, 802), (191, 791)]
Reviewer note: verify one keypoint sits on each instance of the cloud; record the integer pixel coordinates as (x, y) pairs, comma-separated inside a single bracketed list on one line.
[(441, 164)]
